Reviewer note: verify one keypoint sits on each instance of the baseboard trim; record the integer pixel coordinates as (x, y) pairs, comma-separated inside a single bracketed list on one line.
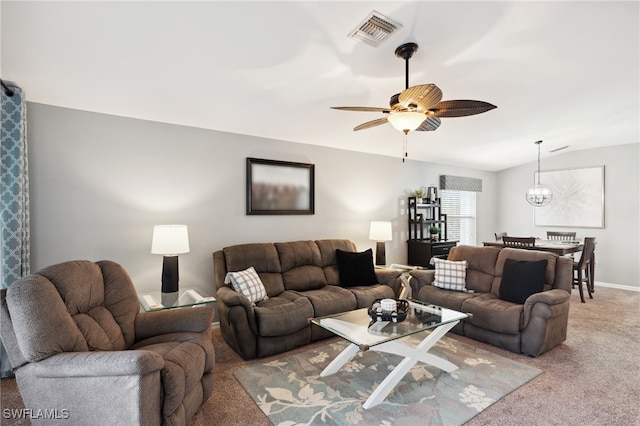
[(618, 286)]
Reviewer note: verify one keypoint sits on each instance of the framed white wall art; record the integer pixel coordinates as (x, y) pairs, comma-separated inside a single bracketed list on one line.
[(578, 198)]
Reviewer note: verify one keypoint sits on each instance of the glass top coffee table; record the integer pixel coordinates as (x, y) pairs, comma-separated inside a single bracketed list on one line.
[(384, 336)]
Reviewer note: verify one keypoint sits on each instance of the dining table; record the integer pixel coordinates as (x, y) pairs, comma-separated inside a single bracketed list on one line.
[(560, 248)]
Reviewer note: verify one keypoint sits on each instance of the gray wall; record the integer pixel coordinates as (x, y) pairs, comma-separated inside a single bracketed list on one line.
[(99, 183), (617, 249)]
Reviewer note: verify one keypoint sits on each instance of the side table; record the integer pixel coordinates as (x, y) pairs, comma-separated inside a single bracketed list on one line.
[(187, 297), (405, 277)]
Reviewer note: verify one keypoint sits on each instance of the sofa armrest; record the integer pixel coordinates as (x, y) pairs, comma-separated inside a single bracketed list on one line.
[(544, 321), (233, 301), (194, 320), (550, 297), (97, 364), (123, 387), (421, 278), (391, 278), (387, 276), (231, 298)]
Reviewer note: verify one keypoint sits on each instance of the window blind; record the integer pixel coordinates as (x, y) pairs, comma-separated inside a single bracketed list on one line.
[(460, 208)]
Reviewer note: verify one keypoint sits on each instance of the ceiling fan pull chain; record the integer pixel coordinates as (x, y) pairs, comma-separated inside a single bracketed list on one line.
[(404, 147)]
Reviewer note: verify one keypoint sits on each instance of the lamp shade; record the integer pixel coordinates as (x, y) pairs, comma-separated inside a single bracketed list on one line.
[(380, 231), (170, 239), (406, 121)]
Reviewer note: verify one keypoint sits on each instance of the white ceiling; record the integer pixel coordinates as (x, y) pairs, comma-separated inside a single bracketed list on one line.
[(564, 72)]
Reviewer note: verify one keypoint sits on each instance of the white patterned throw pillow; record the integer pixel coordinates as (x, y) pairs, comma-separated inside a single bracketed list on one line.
[(450, 275), (248, 283)]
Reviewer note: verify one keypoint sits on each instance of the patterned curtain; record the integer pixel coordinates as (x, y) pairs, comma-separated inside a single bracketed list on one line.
[(14, 193)]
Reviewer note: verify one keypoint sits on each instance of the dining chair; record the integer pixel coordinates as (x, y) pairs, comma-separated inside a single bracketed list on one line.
[(499, 235), (519, 242), (583, 269), (562, 236)]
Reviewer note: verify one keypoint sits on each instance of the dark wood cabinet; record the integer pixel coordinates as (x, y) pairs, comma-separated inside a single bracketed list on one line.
[(421, 216), (421, 252)]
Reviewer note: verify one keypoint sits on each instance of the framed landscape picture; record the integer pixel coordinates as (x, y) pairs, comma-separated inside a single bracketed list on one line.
[(279, 187), (578, 198)]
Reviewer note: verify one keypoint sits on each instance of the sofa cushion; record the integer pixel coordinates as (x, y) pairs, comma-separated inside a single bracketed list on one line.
[(366, 295), (445, 298), (356, 269), (492, 313), (329, 258), (264, 259), (328, 251), (330, 300), (521, 279), (42, 332), (298, 253), (248, 283), (481, 268), (450, 275), (301, 265), (279, 316)]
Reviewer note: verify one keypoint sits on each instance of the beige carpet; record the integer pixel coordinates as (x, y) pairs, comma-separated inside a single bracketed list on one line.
[(591, 379)]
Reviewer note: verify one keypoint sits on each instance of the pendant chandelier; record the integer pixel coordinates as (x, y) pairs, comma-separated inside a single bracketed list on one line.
[(538, 195)]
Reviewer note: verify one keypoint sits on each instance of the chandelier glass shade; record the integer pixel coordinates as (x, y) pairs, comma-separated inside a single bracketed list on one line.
[(538, 195), (406, 121)]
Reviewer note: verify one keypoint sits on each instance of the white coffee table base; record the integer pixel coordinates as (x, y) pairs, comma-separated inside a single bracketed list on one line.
[(411, 357)]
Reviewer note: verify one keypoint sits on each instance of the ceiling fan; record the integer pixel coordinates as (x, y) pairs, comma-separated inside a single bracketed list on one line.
[(418, 107)]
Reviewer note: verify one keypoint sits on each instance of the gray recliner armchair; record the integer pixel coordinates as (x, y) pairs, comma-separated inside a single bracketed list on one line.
[(81, 348)]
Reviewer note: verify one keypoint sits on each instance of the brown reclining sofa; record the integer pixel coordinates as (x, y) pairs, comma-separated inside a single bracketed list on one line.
[(532, 327), (302, 281)]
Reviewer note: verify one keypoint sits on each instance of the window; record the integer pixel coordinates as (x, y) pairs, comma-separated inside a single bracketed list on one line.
[(460, 208)]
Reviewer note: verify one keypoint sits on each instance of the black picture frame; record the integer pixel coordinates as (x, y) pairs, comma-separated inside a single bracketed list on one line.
[(279, 187)]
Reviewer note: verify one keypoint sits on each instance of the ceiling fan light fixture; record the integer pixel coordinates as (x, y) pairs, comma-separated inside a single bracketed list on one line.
[(406, 121)]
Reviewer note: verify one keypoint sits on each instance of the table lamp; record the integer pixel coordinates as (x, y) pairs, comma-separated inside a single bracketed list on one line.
[(380, 232), (170, 241)]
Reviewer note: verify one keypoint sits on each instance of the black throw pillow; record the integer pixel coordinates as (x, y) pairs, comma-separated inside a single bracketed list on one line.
[(356, 268), (521, 279)]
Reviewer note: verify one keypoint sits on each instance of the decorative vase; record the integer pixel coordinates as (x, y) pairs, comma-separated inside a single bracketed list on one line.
[(434, 237)]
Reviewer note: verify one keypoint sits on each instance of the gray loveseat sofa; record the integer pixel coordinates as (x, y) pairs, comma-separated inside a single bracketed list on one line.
[(532, 327), (302, 281)]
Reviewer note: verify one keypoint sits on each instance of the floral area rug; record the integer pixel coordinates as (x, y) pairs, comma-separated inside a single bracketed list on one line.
[(291, 392)]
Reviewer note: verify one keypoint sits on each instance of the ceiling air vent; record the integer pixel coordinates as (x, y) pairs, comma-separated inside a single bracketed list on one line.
[(375, 29)]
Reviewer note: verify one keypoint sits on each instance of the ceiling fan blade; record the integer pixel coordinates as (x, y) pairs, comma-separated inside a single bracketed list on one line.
[(460, 108), (421, 97), (430, 123), (372, 123), (365, 109)]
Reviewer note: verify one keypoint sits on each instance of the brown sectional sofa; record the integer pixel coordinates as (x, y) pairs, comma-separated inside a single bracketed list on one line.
[(530, 328), (302, 281)]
